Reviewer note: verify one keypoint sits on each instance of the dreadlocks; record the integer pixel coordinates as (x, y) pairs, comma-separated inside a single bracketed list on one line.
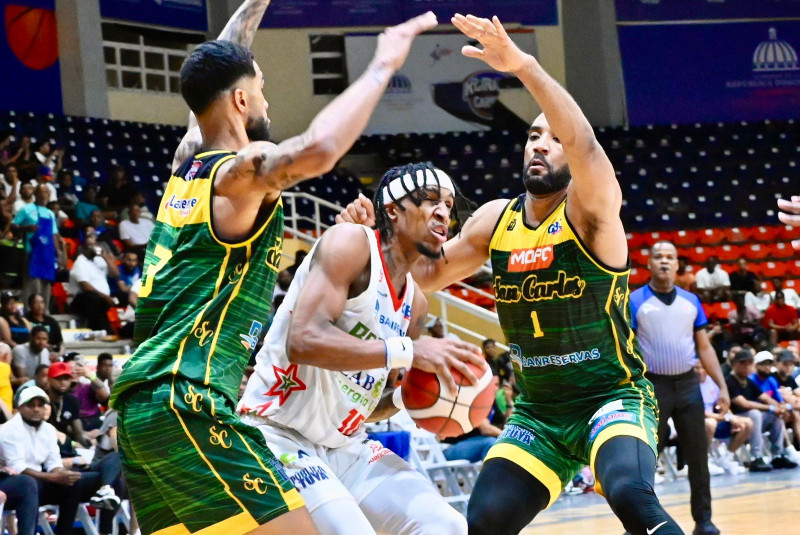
[(417, 172)]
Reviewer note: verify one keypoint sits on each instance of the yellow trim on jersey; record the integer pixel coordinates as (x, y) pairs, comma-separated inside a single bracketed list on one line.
[(531, 464), (620, 358), (210, 152), (221, 321), (202, 455), (522, 237), (292, 498), (235, 525), (616, 430), (177, 529), (163, 254), (589, 255)]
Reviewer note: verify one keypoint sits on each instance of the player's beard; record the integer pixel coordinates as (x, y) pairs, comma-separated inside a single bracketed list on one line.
[(257, 129), (552, 181), (430, 253)]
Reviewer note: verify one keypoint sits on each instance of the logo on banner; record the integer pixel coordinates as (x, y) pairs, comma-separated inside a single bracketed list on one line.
[(480, 91), (775, 55), (399, 84)]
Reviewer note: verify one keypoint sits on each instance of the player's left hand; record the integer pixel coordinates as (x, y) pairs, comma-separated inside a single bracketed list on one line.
[(723, 402), (499, 51), (790, 214)]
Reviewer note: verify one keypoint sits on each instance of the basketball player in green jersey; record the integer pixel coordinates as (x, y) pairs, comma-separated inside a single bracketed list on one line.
[(560, 266), (210, 268)]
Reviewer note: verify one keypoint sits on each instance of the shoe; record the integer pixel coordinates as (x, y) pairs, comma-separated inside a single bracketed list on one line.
[(793, 454), (705, 528), (659, 479), (714, 470), (782, 462), (758, 465), (727, 461), (105, 498)]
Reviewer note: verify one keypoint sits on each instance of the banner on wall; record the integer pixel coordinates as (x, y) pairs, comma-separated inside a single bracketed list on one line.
[(438, 89), (686, 73), (184, 14), (673, 10), (29, 56), (338, 13)]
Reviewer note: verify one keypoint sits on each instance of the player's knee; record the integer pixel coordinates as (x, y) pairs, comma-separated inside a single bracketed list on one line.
[(488, 517), (629, 492)]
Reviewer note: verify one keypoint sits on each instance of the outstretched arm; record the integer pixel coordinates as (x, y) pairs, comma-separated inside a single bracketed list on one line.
[(241, 29), (595, 195)]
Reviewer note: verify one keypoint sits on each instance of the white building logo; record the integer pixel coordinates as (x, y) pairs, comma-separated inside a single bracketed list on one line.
[(774, 55)]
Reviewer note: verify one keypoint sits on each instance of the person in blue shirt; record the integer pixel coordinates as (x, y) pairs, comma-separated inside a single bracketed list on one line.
[(85, 206), (129, 273), (764, 379)]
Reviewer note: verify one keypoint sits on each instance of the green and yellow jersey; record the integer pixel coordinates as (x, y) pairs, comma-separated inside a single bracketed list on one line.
[(202, 301), (564, 314)]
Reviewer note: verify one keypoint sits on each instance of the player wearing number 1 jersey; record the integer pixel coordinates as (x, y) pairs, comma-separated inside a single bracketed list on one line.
[(560, 267), (210, 268), (351, 318)]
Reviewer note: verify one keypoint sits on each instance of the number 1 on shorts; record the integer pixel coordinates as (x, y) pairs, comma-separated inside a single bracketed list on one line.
[(537, 330)]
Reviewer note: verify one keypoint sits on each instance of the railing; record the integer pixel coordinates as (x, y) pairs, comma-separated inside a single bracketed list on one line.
[(453, 311)]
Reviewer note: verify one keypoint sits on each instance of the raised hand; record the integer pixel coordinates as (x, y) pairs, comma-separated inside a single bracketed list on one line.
[(395, 42), (790, 214), (499, 51), (440, 355), (360, 211)]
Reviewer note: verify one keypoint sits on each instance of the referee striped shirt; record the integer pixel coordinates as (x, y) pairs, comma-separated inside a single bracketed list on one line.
[(665, 325)]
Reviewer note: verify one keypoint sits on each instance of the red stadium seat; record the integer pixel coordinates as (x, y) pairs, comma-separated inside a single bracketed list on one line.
[(637, 240), (686, 237), (698, 255), (640, 257), (793, 268), (764, 233), (755, 251), (712, 236), (781, 250), (638, 276), (774, 269), (736, 235), (729, 253), (787, 233), (721, 310)]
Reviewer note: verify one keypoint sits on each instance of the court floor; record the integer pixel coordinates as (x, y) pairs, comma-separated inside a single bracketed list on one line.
[(747, 504)]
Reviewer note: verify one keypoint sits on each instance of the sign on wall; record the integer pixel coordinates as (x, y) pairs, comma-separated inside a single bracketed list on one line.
[(29, 56), (438, 89), (686, 73), (185, 14), (673, 10)]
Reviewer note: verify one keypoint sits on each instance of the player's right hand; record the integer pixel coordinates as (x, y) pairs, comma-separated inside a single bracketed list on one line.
[(395, 42), (360, 211), (439, 355)]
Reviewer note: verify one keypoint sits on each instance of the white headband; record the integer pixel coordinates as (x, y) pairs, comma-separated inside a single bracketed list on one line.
[(400, 187)]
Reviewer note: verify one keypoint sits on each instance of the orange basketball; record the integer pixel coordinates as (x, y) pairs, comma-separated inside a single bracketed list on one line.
[(32, 35), (434, 410)]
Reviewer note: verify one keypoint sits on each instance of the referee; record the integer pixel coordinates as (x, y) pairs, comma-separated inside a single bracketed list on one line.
[(671, 326)]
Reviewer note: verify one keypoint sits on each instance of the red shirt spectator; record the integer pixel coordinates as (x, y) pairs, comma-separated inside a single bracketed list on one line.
[(779, 314)]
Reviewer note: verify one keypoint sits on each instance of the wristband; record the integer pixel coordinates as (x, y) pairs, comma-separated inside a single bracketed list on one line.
[(397, 399), (772, 408), (399, 352), (727, 417), (788, 407)]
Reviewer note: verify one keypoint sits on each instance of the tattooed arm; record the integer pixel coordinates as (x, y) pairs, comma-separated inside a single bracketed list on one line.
[(241, 29)]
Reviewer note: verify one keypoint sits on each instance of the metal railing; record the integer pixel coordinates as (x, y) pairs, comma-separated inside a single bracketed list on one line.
[(306, 209)]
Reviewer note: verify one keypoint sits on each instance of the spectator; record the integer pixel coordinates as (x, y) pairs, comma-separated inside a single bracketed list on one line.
[(49, 157), (42, 244), (25, 444), (7, 156), (759, 300), (474, 446), (61, 217), (14, 328), (138, 199), (743, 281), (728, 425), (436, 329), (135, 233), (26, 162), (789, 390), (24, 198), (94, 393), (299, 256), (684, 278), (789, 294), (748, 400), (712, 282), (40, 379), (282, 284), (129, 273), (7, 380), (29, 446), (769, 385), (670, 324), (106, 234), (89, 283), (44, 177), (86, 206), (781, 321), (36, 316), (118, 192), (65, 416), (11, 183), (745, 324), (26, 357), (107, 461), (65, 185)]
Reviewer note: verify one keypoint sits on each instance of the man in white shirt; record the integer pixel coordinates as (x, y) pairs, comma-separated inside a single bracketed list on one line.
[(88, 282), (760, 301), (789, 294), (29, 356), (712, 282), (135, 233), (29, 446)]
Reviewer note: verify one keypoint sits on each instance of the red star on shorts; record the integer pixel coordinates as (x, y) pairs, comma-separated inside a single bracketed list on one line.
[(288, 382)]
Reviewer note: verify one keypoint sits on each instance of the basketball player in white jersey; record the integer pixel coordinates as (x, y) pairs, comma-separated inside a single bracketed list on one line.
[(347, 322)]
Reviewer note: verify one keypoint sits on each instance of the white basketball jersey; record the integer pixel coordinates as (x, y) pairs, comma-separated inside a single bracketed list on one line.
[(328, 407)]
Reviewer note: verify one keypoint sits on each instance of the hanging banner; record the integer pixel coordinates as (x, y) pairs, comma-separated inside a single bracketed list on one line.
[(184, 14), (686, 73), (344, 13), (29, 56), (674, 10), (438, 89)]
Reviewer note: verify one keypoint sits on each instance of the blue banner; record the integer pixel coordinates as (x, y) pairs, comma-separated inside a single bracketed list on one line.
[(339, 13), (672, 10), (686, 73), (184, 14), (29, 56)]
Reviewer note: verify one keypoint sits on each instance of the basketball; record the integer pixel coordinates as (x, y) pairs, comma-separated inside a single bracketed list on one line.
[(32, 35), (434, 410)]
